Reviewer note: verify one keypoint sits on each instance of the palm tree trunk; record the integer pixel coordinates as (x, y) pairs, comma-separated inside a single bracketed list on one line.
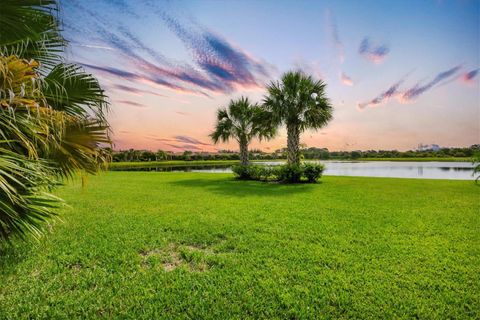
[(293, 145), (243, 152)]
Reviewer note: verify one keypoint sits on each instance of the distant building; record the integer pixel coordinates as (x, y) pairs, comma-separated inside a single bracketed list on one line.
[(428, 147)]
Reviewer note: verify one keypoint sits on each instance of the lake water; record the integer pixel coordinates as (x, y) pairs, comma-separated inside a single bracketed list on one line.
[(392, 169)]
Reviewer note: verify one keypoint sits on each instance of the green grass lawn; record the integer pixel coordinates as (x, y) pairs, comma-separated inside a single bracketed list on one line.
[(204, 246)]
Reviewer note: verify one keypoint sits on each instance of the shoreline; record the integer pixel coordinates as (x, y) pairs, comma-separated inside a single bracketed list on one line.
[(167, 163)]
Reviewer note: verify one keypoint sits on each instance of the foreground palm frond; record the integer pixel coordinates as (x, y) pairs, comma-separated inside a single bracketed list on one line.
[(79, 148), (52, 115), (24, 199), (68, 88), (30, 30)]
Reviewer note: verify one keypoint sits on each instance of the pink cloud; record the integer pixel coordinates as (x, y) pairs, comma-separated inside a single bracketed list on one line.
[(373, 52), (136, 91), (383, 97), (469, 77), (417, 90), (333, 28), (346, 80)]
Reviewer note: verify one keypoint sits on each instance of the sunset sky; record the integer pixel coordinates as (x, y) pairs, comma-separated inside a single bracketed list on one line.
[(398, 73)]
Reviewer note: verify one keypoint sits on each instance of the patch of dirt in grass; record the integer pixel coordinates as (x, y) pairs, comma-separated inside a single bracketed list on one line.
[(220, 246), (75, 266), (194, 258), (199, 248), (172, 262), (147, 253)]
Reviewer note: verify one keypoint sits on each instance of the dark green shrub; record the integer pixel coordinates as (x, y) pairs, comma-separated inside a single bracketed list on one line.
[(254, 172), (241, 172), (251, 172), (268, 173), (313, 171), (285, 173), (355, 154), (290, 173)]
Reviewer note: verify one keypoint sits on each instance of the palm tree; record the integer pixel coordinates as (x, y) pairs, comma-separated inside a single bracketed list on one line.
[(476, 168), (299, 103), (161, 155), (52, 116), (242, 121)]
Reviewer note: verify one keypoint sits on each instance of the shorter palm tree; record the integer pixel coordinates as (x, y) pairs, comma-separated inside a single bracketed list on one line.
[(242, 121)]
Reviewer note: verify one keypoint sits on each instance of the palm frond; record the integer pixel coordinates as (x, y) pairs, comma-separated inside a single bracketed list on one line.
[(25, 203), (298, 100), (80, 147), (52, 116), (243, 120), (70, 89), (27, 124), (223, 128), (30, 30)]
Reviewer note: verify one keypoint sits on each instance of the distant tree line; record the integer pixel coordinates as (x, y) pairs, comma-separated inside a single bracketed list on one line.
[(132, 155)]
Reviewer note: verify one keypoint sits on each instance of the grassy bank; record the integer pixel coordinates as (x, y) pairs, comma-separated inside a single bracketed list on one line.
[(119, 165), (430, 159), (192, 245)]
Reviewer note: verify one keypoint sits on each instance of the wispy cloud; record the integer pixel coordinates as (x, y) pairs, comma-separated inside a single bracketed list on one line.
[(131, 103), (162, 72), (152, 80), (124, 7), (112, 71), (373, 52), (346, 80), (469, 77), (182, 142), (219, 58), (93, 46), (188, 147), (411, 94), (312, 68), (190, 140), (220, 67), (382, 97), (333, 28), (136, 91), (182, 113), (160, 139), (417, 90)]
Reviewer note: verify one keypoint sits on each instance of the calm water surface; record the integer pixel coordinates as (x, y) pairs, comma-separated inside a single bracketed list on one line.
[(393, 169)]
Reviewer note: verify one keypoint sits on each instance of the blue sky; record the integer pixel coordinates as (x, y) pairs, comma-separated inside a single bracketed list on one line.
[(398, 73)]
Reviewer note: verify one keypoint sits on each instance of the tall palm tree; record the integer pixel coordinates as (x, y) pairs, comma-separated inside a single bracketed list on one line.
[(242, 121), (298, 102), (52, 116)]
